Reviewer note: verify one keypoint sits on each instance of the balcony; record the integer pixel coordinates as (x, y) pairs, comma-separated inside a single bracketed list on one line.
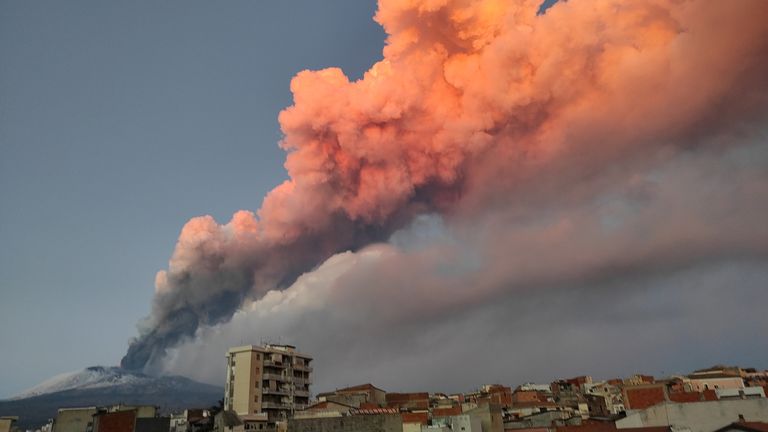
[(274, 364), (276, 377), (274, 405), (301, 367), (267, 390), (302, 393), (302, 381)]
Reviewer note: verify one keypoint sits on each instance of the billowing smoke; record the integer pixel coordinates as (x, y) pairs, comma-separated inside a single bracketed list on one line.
[(479, 105)]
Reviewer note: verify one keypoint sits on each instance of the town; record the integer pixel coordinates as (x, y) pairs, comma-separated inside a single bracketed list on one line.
[(267, 388)]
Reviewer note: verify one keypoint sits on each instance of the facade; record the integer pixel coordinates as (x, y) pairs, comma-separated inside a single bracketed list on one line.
[(490, 415), (604, 399), (643, 396), (698, 416), (716, 383), (324, 409), (123, 418), (364, 395), (270, 379), (74, 419), (408, 401), (743, 393), (7, 423), (118, 421), (462, 422), (191, 420), (385, 422)]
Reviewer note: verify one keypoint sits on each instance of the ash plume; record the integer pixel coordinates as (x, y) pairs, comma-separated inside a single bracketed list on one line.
[(474, 103)]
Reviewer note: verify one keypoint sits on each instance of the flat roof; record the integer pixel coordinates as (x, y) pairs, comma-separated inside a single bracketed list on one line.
[(277, 349)]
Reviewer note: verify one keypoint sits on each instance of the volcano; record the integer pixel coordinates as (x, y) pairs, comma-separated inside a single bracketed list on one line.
[(101, 386)]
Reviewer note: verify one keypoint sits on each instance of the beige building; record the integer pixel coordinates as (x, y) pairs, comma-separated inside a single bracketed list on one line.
[(7, 423), (270, 379), (697, 416), (74, 419)]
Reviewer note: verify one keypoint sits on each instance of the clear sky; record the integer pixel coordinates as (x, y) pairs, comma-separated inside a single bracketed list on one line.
[(119, 122)]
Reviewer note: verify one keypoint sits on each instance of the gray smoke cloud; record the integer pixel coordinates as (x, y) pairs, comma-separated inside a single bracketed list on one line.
[(581, 141), (664, 271)]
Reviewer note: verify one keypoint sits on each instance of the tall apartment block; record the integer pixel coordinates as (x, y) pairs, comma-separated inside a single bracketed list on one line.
[(270, 379)]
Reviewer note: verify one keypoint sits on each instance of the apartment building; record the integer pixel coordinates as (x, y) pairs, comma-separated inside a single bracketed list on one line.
[(269, 381)]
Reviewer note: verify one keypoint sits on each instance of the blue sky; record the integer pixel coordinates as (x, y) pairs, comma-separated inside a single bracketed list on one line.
[(119, 122)]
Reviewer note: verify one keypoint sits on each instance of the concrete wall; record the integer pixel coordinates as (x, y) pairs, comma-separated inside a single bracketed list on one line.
[(156, 424), (119, 421), (243, 391), (701, 384), (698, 416), (465, 423), (490, 417), (411, 427), (5, 424), (73, 419), (357, 423)]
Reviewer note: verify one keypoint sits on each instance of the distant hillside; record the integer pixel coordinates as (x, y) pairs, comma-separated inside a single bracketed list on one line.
[(99, 386)]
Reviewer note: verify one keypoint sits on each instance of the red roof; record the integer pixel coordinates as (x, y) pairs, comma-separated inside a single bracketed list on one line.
[(421, 417), (361, 387), (374, 411), (445, 412), (403, 397), (534, 404), (324, 405), (644, 396)]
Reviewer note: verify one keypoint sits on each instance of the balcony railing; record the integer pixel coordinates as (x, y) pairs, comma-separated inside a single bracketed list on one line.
[(303, 393), (274, 364), (301, 367), (274, 405), (276, 377), (267, 390)]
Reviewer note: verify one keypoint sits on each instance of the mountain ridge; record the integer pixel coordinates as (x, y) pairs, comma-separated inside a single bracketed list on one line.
[(105, 385)]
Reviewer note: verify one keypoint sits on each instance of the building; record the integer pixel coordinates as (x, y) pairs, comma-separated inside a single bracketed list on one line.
[(270, 379), (326, 408), (7, 423), (743, 393), (408, 401), (604, 399), (698, 416), (743, 426), (460, 422), (490, 415), (716, 383), (74, 419), (379, 420), (126, 418), (116, 421), (356, 396), (191, 420)]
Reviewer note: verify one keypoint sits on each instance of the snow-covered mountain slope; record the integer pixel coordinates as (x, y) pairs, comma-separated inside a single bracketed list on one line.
[(104, 386), (88, 378)]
